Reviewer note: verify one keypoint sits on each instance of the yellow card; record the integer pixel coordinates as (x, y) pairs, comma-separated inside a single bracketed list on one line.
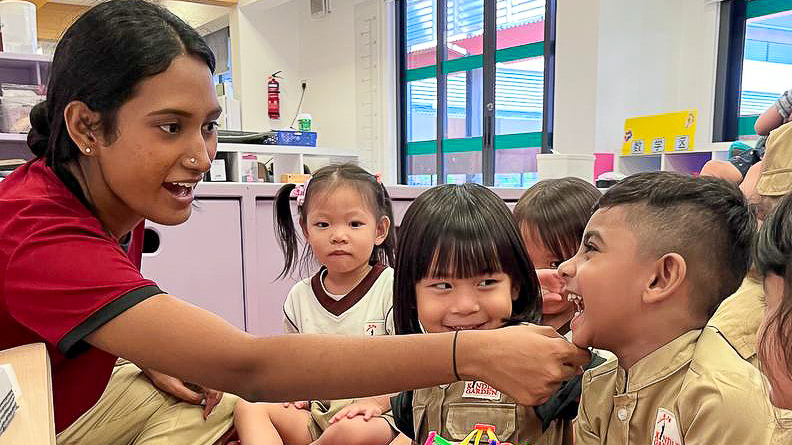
[(659, 133)]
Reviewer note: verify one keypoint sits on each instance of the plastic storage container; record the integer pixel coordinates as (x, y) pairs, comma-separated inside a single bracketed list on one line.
[(18, 25), (302, 138), (16, 101), (556, 165)]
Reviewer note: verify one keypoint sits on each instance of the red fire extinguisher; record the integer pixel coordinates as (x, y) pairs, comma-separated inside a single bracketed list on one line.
[(273, 95)]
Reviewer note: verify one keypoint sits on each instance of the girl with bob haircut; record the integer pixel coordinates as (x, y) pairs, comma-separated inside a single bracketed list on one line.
[(461, 266)]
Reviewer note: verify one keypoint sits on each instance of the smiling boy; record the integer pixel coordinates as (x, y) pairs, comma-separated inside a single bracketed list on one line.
[(659, 254)]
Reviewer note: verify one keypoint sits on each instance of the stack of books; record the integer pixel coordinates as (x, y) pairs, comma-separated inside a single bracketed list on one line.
[(8, 398)]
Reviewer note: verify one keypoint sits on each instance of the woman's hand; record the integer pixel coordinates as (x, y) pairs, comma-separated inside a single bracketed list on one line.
[(198, 395), (527, 362)]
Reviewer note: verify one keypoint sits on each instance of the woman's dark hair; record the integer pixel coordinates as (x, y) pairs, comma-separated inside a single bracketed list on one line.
[(773, 254), (461, 231), (559, 209), (325, 180), (99, 61)]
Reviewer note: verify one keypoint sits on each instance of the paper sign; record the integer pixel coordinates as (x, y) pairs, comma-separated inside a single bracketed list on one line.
[(647, 134)]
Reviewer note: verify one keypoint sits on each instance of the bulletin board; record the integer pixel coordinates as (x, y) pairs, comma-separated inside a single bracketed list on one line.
[(660, 133)]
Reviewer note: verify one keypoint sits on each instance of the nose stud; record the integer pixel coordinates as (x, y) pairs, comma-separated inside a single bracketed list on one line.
[(193, 161)]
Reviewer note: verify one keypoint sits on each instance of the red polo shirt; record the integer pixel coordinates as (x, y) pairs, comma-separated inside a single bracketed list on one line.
[(62, 276)]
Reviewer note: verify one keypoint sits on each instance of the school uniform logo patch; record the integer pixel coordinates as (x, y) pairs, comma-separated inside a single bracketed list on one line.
[(666, 430), (374, 327), (480, 390)]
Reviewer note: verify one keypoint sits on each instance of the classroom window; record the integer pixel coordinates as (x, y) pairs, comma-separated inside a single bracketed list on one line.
[(767, 62), (485, 120), (754, 63)]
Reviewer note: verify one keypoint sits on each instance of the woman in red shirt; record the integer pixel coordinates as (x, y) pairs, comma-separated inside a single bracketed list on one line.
[(126, 132)]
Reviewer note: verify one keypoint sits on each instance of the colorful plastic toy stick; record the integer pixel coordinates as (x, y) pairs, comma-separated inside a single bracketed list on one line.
[(440, 441), (477, 432), (474, 436), (467, 439), (434, 439)]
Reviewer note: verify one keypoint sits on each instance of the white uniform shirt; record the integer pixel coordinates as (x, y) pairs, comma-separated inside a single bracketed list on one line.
[(365, 310)]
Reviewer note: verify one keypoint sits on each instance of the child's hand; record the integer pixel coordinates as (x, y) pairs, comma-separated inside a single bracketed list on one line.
[(302, 404), (366, 408)]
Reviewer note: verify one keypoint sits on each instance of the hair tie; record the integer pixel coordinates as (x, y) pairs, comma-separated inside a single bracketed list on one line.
[(299, 192), (378, 176)]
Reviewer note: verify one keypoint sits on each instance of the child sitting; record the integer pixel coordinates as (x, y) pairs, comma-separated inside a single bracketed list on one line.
[(552, 215), (740, 315), (657, 257), (461, 265), (345, 216), (773, 251)]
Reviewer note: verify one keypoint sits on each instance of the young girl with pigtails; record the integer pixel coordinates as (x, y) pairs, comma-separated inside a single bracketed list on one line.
[(345, 216)]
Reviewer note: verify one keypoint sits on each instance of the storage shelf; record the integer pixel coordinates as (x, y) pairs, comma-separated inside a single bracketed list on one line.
[(686, 162), (285, 158), (283, 149), (714, 147), (25, 69), (13, 137), (24, 58)]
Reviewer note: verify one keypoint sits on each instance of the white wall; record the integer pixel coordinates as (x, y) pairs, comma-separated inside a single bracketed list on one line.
[(265, 40), (195, 14), (576, 76), (327, 56), (641, 58), (321, 51)]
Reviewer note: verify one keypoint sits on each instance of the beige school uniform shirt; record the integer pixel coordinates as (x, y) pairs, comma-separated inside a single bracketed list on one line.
[(454, 410), (695, 390), (739, 318)]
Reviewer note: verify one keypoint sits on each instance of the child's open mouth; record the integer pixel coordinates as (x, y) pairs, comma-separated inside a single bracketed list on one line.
[(577, 300), (465, 327)]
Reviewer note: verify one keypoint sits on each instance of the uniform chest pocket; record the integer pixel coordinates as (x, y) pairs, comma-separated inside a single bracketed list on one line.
[(462, 417), (418, 413)]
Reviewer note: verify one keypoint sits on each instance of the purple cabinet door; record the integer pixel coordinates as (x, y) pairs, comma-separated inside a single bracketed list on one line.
[(200, 261)]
